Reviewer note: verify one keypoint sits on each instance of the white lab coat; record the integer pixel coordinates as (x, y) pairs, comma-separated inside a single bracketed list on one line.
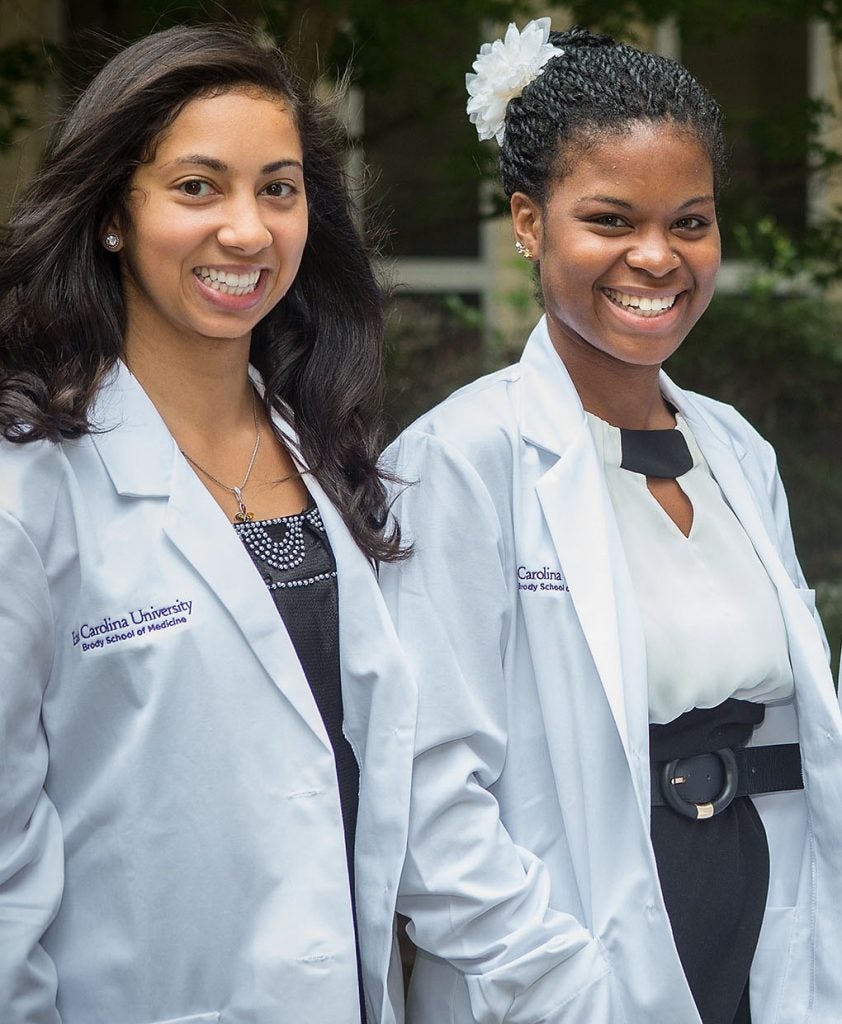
[(171, 841), (530, 877)]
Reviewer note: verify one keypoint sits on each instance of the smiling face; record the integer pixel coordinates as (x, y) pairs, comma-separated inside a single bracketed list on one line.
[(217, 222), (629, 248)]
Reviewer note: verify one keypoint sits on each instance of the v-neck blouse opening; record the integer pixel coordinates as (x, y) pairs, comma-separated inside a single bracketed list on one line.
[(712, 621)]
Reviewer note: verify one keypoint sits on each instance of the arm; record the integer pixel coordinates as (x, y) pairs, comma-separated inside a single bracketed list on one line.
[(31, 849), (473, 896)]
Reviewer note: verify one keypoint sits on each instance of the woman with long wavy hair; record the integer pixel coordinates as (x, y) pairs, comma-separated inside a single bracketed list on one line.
[(194, 824)]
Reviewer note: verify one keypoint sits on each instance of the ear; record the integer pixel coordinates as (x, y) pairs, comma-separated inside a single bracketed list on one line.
[(527, 222)]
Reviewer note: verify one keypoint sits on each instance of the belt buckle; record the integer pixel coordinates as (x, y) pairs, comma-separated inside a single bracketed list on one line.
[(670, 778)]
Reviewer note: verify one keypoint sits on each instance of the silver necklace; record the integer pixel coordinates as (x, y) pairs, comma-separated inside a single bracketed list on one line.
[(243, 516)]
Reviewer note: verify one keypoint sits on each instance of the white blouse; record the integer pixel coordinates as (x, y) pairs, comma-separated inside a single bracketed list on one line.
[(711, 616)]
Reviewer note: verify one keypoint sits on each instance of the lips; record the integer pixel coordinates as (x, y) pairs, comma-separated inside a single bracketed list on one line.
[(646, 306)]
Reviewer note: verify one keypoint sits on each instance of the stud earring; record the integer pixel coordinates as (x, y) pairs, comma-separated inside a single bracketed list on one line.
[(523, 251), (111, 241)]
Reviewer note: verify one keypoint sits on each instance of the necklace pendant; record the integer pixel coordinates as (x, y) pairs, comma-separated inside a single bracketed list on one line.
[(243, 516)]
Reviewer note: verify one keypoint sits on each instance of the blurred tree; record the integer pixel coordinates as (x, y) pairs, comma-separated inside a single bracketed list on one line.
[(21, 63), (321, 37), (619, 16)]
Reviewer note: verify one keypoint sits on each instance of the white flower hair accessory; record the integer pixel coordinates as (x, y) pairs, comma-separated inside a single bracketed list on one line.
[(503, 69)]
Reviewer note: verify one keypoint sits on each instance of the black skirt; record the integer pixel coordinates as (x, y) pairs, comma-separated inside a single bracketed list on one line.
[(714, 873)]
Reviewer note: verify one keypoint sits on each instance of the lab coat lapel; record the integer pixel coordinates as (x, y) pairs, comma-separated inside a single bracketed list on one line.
[(725, 462), (143, 461), (578, 513), (725, 459), (380, 706), (203, 534), (380, 702), (573, 503), (370, 670)]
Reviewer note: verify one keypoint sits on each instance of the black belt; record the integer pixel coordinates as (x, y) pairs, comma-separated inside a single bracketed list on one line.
[(705, 784)]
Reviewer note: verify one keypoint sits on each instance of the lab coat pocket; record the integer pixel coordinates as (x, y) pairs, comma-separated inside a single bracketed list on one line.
[(597, 1002), (771, 963), (580, 989), (808, 596)]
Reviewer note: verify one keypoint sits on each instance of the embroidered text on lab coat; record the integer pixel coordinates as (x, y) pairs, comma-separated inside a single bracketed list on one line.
[(544, 578), (115, 629)]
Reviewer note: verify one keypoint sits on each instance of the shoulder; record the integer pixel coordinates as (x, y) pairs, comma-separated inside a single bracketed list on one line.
[(467, 415), (733, 427), (37, 481), (477, 427), (33, 467)]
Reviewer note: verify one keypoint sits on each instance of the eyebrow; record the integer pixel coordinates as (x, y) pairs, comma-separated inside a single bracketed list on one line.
[(221, 167), (626, 205)]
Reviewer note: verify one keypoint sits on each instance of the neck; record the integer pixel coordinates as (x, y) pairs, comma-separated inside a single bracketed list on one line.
[(623, 395), (202, 392)]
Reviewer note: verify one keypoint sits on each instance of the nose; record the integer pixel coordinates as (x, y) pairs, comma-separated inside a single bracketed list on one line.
[(653, 253), (244, 227)]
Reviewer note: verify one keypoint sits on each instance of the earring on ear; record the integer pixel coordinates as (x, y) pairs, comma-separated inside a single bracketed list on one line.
[(111, 241), (523, 251)]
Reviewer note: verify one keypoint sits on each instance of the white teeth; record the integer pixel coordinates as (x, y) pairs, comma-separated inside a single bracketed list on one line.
[(641, 305), (226, 282)]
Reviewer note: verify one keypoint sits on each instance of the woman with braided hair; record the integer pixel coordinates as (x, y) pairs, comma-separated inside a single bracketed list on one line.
[(628, 756)]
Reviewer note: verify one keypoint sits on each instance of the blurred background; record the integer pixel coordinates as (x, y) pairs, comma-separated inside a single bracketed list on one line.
[(462, 302)]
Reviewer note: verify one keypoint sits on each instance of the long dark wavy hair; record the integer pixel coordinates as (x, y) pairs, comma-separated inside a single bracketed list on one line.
[(596, 87), (62, 314)]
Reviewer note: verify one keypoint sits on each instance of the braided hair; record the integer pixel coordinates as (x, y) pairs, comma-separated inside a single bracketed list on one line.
[(598, 87)]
